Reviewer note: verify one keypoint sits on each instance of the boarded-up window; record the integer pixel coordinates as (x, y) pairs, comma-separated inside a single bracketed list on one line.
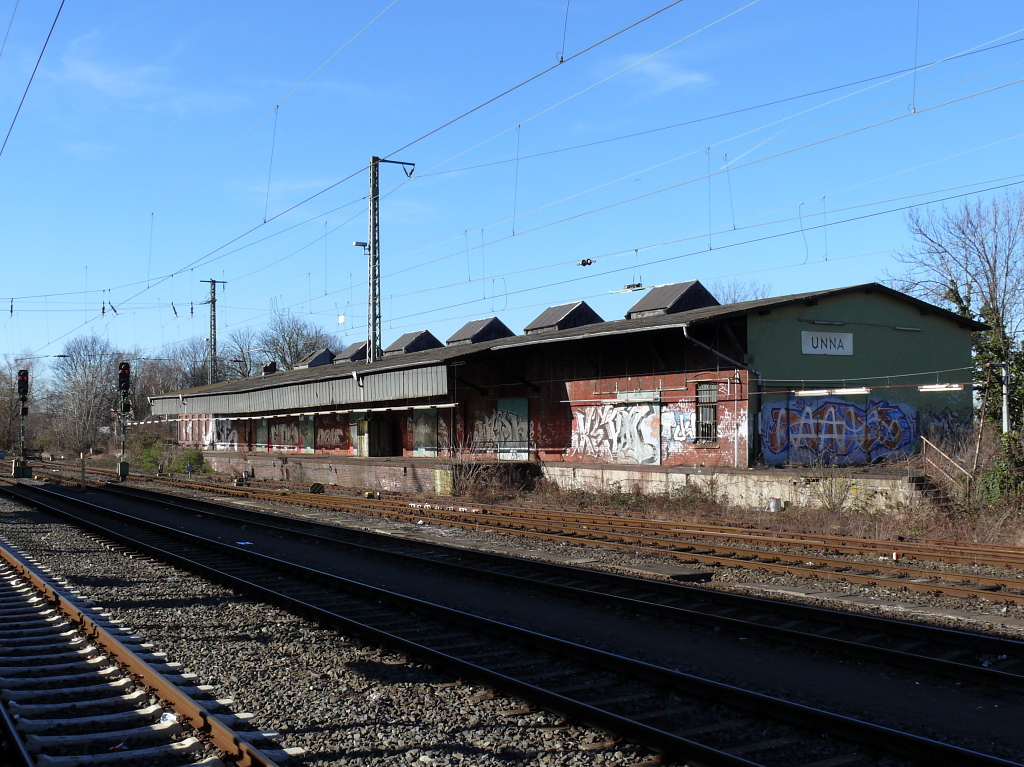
[(262, 435), (707, 413), (424, 434)]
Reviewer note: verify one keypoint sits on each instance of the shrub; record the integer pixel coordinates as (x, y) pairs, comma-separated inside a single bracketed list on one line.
[(150, 454), (192, 456)]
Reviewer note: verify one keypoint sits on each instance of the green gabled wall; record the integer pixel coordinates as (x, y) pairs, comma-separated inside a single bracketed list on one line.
[(857, 428)]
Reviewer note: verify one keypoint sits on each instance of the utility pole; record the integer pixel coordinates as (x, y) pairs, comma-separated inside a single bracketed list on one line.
[(211, 377), (373, 323), (1006, 397)]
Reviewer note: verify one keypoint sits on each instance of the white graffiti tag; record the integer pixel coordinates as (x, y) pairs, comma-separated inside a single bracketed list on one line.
[(284, 436), (619, 433), (501, 427), (223, 435), (330, 439)]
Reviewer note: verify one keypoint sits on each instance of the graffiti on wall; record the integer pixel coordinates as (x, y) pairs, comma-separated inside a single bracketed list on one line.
[(678, 428), (290, 435), (195, 430), (332, 438), (332, 432), (223, 435), (835, 430), (501, 426), (283, 435), (945, 426), (617, 433), (424, 432)]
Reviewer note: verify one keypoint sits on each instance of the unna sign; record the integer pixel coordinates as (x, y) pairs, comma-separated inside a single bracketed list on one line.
[(826, 343)]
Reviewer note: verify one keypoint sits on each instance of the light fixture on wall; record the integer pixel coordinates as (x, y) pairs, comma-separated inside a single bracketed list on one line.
[(941, 387), (830, 392)]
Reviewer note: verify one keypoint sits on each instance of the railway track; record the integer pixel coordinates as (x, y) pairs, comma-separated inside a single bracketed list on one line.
[(957, 654), (77, 690), (705, 722), (439, 508), (842, 560)]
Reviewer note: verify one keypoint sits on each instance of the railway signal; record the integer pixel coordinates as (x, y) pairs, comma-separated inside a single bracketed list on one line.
[(23, 384), (124, 378), (124, 386)]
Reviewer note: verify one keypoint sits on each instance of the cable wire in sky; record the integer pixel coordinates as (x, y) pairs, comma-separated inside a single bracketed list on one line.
[(1005, 183), (720, 115), (9, 25), (31, 78), (201, 259), (782, 153)]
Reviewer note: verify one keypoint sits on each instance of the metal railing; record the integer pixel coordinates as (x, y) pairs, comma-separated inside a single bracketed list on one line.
[(946, 466)]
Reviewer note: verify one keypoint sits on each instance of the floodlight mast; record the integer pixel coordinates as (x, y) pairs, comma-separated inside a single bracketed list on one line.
[(372, 248)]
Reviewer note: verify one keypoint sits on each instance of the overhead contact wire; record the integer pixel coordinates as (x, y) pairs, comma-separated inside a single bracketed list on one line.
[(31, 77)]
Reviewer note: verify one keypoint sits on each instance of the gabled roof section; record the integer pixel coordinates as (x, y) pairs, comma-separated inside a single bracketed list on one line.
[(320, 357), (563, 317), (437, 356), (417, 341), (352, 353), (478, 331), (669, 299)]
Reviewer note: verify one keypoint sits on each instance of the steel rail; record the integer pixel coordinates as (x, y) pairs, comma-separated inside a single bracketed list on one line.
[(922, 581), (221, 736), (956, 553), (645, 595), (13, 751), (928, 549), (915, 747)]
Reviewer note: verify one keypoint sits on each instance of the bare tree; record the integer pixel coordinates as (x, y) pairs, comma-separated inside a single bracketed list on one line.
[(287, 339), (84, 391), (10, 404), (971, 259), (242, 355), (736, 290), (187, 364)]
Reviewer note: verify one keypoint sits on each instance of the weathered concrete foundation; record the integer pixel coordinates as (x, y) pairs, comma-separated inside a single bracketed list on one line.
[(755, 488)]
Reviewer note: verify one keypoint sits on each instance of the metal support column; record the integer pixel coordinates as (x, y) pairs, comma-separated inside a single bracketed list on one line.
[(373, 324), (211, 376), (1006, 397), (373, 321)]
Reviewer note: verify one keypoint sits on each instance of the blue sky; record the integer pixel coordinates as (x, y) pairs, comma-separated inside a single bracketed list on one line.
[(140, 162)]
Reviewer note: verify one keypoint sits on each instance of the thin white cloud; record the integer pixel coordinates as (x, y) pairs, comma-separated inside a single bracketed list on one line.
[(660, 75), (148, 86)]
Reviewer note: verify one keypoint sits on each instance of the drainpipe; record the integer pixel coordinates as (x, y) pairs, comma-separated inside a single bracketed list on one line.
[(731, 361)]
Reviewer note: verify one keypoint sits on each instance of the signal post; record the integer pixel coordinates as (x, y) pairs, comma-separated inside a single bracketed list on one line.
[(19, 469), (124, 387)]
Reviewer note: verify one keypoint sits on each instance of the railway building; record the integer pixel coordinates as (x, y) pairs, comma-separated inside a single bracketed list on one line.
[(850, 375)]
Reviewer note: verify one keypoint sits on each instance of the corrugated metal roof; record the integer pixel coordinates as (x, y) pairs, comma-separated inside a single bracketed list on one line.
[(352, 353), (416, 341), (309, 392), (437, 357), (322, 356), (669, 299), (476, 331), (562, 317)]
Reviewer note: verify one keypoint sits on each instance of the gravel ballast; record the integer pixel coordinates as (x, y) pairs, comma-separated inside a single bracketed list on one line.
[(346, 703), (342, 701)]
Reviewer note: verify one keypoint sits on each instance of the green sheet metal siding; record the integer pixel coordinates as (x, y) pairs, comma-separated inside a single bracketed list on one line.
[(891, 362)]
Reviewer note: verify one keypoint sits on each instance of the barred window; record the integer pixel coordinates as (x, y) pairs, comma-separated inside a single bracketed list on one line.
[(707, 413)]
